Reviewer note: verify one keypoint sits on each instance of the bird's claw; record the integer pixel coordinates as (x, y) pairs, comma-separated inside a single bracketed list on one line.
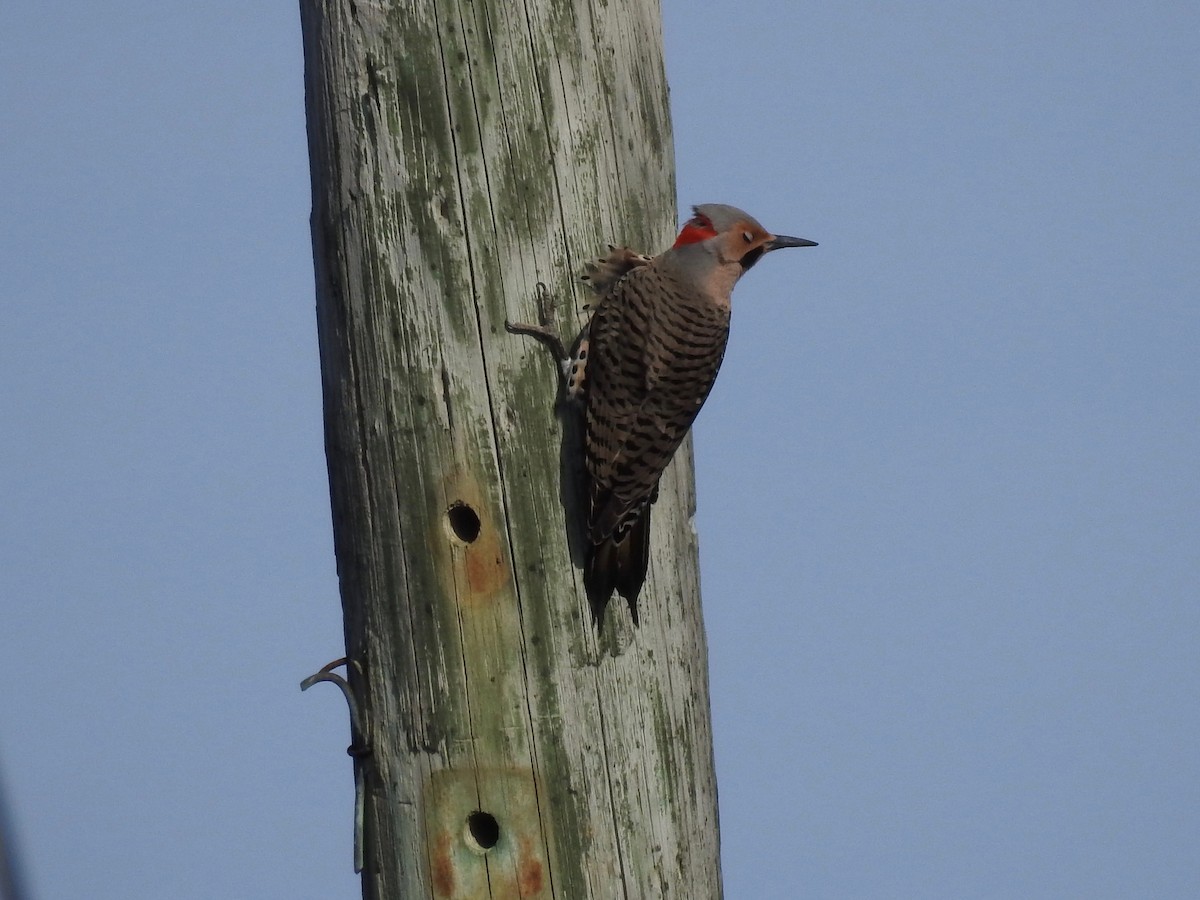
[(544, 332), (543, 335)]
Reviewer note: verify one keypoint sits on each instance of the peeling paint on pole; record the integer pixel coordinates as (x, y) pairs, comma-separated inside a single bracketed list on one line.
[(464, 153)]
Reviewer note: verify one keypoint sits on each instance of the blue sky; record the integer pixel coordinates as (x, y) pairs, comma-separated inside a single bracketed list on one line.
[(948, 496)]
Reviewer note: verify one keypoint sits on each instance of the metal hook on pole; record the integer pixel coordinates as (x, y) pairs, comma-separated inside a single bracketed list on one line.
[(359, 747)]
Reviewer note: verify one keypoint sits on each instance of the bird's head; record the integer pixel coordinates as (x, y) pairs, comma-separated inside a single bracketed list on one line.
[(732, 236), (719, 243)]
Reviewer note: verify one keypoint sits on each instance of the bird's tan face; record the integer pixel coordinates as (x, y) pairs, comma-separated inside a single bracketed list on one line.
[(744, 243)]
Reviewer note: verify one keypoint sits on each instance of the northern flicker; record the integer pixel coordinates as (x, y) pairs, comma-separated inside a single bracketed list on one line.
[(643, 368)]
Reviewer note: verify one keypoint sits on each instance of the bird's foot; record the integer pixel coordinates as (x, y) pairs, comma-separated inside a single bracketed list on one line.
[(544, 332), (544, 335)]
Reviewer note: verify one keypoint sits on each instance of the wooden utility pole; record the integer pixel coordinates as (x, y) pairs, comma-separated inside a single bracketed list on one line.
[(463, 153)]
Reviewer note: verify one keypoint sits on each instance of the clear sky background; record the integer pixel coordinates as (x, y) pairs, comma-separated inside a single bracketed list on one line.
[(949, 479)]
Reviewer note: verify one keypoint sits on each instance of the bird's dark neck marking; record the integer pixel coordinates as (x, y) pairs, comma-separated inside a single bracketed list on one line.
[(752, 257)]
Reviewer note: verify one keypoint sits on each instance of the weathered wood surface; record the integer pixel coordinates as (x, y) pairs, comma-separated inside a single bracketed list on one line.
[(462, 152)]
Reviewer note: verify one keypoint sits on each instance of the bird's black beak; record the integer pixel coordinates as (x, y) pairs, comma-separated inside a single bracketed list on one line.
[(777, 242), (782, 240)]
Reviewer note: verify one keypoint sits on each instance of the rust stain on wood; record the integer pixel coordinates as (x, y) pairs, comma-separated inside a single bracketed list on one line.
[(442, 866), (530, 879), (486, 572)]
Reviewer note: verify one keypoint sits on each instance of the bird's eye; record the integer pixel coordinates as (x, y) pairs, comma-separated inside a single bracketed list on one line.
[(748, 236)]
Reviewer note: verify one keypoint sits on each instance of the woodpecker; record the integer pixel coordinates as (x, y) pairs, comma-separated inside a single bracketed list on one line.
[(642, 368)]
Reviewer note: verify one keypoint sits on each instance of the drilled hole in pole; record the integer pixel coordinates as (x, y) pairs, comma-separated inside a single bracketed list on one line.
[(463, 522), (483, 829)]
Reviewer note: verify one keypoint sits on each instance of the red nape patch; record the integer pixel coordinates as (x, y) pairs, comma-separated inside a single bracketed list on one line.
[(695, 231)]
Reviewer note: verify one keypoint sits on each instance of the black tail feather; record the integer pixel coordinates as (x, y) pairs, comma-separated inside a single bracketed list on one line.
[(631, 572), (618, 565), (600, 578)]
